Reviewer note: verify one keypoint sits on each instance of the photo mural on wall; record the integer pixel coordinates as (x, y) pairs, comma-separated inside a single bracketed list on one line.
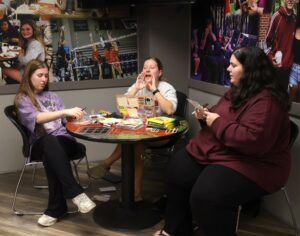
[(221, 27), (77, 43), (98, 49)]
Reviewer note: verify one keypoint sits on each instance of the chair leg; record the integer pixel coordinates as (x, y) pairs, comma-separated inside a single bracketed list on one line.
[(289, 206), (238, 218), (17, 212), (75, 167), (291, 210), (37, 186)]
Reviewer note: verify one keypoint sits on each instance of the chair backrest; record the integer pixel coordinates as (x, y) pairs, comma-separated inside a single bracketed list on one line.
[(294, 133), (11, 113), (182, 104)]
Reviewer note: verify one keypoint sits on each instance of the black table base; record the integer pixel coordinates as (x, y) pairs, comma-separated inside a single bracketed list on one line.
[(113, 215)]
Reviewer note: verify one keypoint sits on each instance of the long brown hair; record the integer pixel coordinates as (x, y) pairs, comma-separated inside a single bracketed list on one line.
[(26, 87), (36, 34)]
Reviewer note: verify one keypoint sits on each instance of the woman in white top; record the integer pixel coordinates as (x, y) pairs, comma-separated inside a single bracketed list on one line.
[(32, 48), (148, 83)]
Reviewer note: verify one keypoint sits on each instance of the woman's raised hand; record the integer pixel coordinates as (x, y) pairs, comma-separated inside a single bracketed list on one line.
[(140, 81), (151, 83)]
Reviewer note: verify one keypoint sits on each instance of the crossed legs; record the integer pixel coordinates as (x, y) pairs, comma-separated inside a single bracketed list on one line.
[(56, 151)]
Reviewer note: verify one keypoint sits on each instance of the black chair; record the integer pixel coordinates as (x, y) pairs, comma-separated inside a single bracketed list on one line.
[(10, 112), (182, 104), (293, 136), (166, 150)]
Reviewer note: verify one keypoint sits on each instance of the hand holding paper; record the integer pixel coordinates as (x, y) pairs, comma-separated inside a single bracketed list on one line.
[(195, 104), (199, 109)]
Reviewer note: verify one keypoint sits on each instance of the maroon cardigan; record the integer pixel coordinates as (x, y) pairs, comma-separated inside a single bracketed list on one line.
[(252, 140)]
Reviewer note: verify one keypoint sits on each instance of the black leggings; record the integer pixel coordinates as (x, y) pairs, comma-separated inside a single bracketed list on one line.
[(208, 194), (56, 153)]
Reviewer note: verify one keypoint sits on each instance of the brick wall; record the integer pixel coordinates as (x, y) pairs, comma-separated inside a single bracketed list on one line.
[(264, 26)]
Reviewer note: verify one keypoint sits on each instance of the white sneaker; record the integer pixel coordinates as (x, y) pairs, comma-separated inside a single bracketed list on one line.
[(84, 203), (46, 220)]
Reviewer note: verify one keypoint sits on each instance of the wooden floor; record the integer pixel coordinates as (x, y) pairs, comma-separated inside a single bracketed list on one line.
[(83, 224)]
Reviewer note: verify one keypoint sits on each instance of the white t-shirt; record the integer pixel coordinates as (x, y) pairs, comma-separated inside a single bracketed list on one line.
[(165, 89)]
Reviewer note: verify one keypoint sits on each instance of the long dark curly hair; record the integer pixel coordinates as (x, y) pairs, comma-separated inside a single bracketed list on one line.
[(258, 75)]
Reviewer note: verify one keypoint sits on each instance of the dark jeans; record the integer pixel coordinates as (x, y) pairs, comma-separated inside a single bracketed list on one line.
[(208, 194), (56, 153)]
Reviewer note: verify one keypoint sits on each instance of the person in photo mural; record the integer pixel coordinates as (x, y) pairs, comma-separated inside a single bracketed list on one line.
[(32, 47), (295, 71), (280, 38)]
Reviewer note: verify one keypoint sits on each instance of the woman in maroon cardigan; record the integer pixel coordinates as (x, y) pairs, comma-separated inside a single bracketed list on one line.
[(240, 154)]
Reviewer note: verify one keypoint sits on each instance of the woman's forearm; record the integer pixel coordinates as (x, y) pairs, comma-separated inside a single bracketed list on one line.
[(44, 117), (165, 105)]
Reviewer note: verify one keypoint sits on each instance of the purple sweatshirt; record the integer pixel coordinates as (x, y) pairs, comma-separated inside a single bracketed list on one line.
[(27, 114), (252, 140)]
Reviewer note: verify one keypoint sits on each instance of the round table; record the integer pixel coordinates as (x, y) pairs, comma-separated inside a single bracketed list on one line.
[(125, 214)]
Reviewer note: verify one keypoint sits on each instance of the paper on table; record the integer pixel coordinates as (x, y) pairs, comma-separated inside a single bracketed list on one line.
[(122, 101), (133, 101), (132, 112)]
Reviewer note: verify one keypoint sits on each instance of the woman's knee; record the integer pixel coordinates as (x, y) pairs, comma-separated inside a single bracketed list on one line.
[(199, 198), (207, 199)]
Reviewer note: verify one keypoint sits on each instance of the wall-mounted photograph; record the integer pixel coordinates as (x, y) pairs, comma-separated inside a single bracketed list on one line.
[(221, 27), (77, 43), (93, 49), (23, 37)]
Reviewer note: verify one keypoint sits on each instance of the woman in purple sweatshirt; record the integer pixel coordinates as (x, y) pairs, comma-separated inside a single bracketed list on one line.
[(43, 114), (240, 154)]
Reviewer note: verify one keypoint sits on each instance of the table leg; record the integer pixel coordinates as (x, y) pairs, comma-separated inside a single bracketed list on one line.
[(126, 214), (128, 176)]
